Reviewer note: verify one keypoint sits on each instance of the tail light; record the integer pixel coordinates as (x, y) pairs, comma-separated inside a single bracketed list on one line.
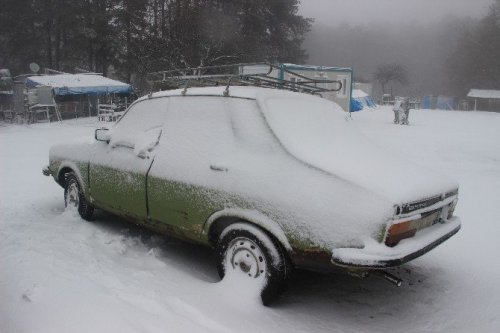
[(407, 229), (399, 231)]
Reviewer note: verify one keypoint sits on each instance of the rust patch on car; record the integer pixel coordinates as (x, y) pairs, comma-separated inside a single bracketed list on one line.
[(316, 259), (184, 215)]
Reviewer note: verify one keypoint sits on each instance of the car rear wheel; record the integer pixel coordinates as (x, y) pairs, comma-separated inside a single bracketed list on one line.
[(246, 250), (74, 198)]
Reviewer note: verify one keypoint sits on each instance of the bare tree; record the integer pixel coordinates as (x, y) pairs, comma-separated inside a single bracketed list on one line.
[(386, 74), (140, 36)]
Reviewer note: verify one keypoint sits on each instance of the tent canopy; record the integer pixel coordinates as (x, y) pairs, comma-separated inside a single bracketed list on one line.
[(79, 84), (360, 99)]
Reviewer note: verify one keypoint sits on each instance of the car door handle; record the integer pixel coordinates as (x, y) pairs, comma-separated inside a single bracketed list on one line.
[(218, 168)]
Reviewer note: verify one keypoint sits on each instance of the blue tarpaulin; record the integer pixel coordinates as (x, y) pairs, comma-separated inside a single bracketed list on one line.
[(360, 99), (79, 84), (439, 102), (446, 103), (429, 102), (356, 105)]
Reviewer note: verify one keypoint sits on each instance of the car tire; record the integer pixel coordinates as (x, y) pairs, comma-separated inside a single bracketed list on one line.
[(74, 198), (247, 249)]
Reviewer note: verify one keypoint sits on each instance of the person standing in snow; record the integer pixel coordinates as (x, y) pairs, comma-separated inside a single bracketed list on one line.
[(397, 109), (404, 111)]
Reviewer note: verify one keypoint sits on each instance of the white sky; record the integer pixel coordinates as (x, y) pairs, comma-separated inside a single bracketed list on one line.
[(333, 12)]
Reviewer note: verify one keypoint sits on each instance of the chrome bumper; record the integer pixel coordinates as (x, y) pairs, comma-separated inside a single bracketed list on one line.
[(378, 255)]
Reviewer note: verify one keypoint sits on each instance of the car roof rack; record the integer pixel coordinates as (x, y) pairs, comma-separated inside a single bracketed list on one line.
[(244, 74)]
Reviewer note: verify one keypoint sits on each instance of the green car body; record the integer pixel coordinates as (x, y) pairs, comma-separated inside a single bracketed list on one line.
[(159, 168)]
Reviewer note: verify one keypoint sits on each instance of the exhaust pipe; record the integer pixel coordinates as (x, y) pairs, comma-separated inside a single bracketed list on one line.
[(389, 277)]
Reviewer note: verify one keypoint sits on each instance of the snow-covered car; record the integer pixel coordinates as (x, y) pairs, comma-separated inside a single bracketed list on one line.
[(271, 179)]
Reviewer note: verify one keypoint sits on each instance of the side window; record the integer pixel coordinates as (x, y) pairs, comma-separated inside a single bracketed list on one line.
[(198, 127), (144, 115), (249, 126), (141, 126)]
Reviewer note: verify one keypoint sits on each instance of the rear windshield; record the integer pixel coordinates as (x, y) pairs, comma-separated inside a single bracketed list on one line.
[(306, 124)]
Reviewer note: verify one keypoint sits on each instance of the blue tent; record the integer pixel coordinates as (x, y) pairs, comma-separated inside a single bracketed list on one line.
[(356, 105), (439, 102), (360, 100), (446, 103), (79, 84)]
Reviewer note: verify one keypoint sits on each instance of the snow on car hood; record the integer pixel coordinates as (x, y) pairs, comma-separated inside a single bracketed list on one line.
[(317, 132)]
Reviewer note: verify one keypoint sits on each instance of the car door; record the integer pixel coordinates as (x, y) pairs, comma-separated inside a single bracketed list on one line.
[(189, 177), (118, 169)]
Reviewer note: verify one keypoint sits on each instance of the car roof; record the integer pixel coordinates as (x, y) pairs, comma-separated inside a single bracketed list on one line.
[(256, 93)]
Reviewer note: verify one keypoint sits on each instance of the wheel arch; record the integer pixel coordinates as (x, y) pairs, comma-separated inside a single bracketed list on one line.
[(67, 167), (218, 221)]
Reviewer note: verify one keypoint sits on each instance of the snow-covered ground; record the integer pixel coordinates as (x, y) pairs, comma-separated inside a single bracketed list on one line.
[(59, 273)]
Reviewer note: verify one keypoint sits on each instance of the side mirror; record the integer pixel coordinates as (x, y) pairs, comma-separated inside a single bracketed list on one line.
[(102, 134)]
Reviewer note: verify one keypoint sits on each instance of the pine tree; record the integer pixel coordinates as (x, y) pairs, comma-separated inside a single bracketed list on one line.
[(475, 63), (137, 36)]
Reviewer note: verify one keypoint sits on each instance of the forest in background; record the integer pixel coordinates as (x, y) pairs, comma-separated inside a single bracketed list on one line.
[(448, 57), (126, 39), (129, 38)]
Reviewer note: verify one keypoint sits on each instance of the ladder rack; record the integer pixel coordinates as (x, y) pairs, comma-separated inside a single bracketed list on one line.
[(247, 74)]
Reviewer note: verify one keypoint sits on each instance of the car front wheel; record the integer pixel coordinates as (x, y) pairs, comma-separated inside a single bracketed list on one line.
[(246, 250), (74, 198)]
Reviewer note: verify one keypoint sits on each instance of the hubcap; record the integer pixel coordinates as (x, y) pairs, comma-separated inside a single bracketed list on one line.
[(72, 198), (245, 256)]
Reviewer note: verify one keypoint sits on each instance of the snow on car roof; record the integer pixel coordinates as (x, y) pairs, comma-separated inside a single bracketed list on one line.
[(234, 91)]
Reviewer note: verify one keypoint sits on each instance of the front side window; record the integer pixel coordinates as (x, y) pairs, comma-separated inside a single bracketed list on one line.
[(141, 126), (199, 124), (197, 136)]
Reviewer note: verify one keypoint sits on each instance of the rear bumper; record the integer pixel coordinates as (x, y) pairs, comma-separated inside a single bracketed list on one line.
[(378, 255)]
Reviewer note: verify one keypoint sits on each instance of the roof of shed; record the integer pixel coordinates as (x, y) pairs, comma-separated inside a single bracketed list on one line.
[(481, 93)]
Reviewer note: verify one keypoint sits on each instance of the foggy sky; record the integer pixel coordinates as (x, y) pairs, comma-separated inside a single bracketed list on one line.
[(334, 12)]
